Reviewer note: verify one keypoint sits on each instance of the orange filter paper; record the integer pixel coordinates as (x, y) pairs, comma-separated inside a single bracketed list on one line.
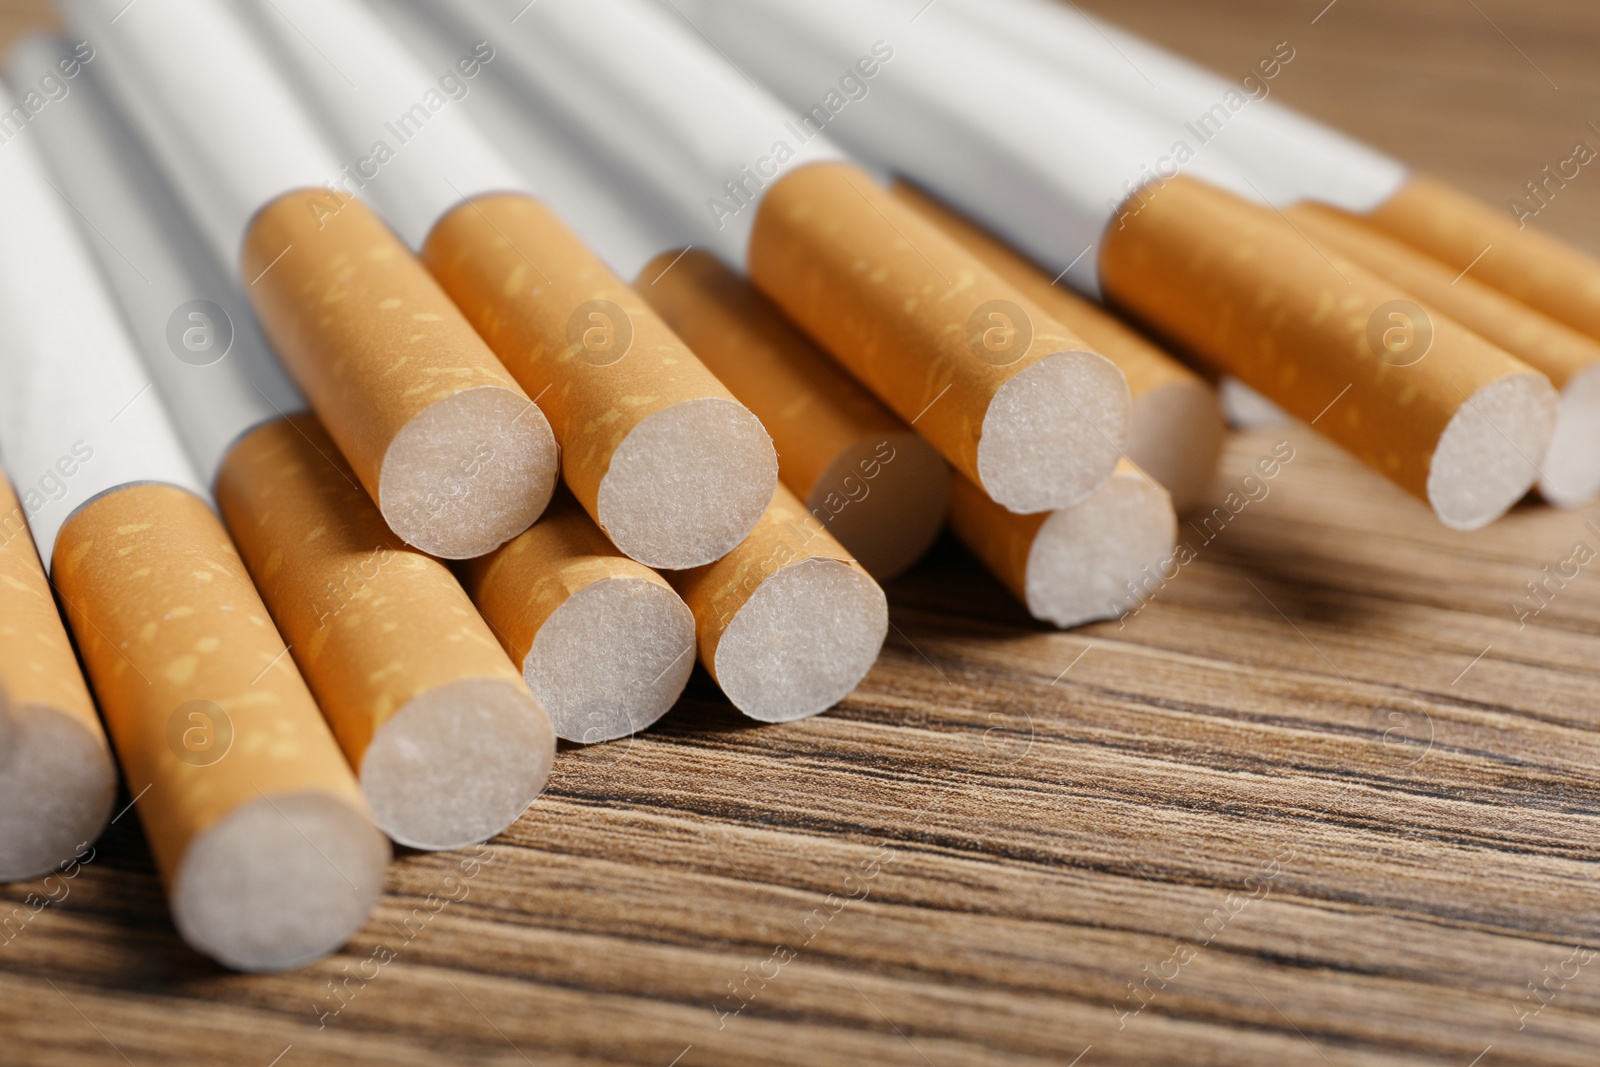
[(392, 368), (908, 312), (1461, 231), (600, 362)]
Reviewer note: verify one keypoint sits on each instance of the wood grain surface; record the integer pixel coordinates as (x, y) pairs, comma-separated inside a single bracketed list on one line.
[(1322, 800)]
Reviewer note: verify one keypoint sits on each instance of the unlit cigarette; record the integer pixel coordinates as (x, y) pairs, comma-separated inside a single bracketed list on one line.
[(449, 745), (1096, 560), (1176, 432), (57, 780), (455, 454), (603, 641), (255, 821), (1006, 394), (880, 489), (670, 465), (1471, 237), (873, 282), (1570, 471), (1444, 414), (786, 623)]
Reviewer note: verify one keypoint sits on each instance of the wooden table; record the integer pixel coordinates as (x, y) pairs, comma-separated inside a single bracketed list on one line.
[(1321, 801)]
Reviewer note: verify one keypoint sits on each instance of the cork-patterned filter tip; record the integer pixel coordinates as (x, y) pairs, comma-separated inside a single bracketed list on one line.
[(253, 817), (662, 456), (603, 641), (1570, 473), (1095, 560), (787, 623), (57, 780), (448, 744), (878, 487), (1012, 398), (457, 457)]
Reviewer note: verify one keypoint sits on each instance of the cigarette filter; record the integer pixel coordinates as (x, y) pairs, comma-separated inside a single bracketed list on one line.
[(1570, 472), (1011, 398), (786, 623), (1437, 409), (57, 780), (603, 641), (448, 744), (456, 456), (1466, 234), (1095, 560), (1176, 432), (880, 489), (256, 823), (671, 466)]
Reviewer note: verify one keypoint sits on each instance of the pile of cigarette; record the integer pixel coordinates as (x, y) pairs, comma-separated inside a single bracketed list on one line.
[(392, 387)]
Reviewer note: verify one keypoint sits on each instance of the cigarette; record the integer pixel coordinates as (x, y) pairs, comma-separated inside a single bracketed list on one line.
[(256, 824), (1096, 560), (452, 450), (1007, 395), (603, 641), (671, 466), (1177, 430), (1570, 472), (1470, 237), (661, 454), (448, 744), (1434, 407), (878, 487), (787, 623), (57, 781)]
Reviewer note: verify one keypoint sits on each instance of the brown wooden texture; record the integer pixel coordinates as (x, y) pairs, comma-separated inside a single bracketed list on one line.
[(1320, 801)]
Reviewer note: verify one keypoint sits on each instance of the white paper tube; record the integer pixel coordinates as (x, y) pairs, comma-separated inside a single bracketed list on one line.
[(644, 92), (205, 351), (78, 415), (623, 221), (220, 120), (1288, 155), (411, 148), (1039, 161)]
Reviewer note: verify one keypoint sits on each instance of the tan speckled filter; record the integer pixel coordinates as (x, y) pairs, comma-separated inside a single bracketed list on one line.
[(37, 665), (371, 622), (786, 534), (521, 584), (524, 280), (1236, 284), (1548, 346), (168, 624), (1542, 271), (373, 341), (893, 300)]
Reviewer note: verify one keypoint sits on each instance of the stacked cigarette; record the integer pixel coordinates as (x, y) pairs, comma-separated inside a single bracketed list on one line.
[(256, 823)]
